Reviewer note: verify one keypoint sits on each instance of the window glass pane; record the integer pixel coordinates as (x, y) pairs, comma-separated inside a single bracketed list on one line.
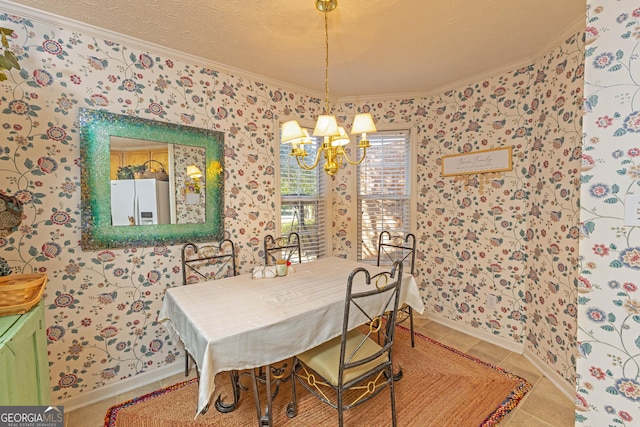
[(383, 191), (295, 181), (302, 206), (305, 219)]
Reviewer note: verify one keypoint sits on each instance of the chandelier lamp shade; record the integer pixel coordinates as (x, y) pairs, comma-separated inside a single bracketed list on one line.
[(335, 137), (194, 172)]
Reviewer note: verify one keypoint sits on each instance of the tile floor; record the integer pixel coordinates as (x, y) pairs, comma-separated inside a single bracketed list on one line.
[(544, 406)]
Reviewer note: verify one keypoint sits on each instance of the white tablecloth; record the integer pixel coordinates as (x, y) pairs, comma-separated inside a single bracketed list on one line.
[(240, 323)]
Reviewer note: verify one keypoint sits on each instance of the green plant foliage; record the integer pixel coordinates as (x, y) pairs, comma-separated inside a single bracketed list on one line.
[(7, 60)]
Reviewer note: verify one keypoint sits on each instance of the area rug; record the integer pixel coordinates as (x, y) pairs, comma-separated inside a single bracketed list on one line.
[(440, 387)]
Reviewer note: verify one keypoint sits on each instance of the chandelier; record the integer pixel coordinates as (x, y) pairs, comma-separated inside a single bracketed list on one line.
[(335, 137)]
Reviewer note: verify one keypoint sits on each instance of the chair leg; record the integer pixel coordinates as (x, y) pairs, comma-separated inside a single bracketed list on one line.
[(292, 408), (340, 406), (413, 343), (265, 419), (393, 398), (186, 364)]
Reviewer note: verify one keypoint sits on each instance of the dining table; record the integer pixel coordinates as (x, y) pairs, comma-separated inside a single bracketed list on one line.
[(243, 322)]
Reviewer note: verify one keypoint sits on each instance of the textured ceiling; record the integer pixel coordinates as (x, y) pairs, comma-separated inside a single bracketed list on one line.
[(376, 47)]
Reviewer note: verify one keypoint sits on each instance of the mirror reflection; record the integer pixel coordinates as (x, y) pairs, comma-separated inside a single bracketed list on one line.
[(156, 183)]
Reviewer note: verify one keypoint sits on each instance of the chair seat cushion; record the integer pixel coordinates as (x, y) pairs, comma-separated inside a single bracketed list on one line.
[(325, 358)]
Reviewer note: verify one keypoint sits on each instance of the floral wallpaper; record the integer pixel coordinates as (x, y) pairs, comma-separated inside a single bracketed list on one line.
[(513, 234), (101, 306), (608, 390)]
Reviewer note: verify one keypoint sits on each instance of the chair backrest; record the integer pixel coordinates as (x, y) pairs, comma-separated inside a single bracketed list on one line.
[(285, 247), (208, 261), (380, 317), (397, 248)]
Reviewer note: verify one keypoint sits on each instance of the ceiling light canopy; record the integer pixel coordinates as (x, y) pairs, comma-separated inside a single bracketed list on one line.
[(335, 137)]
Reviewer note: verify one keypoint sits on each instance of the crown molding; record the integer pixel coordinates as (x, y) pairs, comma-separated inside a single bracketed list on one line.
[(142, 45), (134, 43)]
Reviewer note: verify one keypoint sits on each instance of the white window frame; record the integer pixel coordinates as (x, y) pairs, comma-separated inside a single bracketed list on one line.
[(412, 182)]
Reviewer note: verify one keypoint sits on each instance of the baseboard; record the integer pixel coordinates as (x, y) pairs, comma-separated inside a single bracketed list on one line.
[(110, 390), (121, 386), (484, 336), (558, 381)]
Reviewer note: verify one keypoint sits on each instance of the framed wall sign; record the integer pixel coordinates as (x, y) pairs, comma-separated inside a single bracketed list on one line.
[(483, 161)]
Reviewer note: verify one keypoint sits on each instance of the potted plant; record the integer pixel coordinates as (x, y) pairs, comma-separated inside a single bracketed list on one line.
[(7, 60), (124, 172), (130, 171)]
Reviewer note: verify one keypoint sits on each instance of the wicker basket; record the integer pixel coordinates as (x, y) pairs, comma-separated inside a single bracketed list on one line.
[(20, 292), (151, 173)]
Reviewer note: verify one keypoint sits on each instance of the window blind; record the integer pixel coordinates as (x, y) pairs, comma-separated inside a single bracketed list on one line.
[(302, 201), (383, 190)]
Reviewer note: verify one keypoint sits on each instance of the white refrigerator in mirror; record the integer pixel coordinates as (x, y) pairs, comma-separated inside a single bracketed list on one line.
[(140, 202)]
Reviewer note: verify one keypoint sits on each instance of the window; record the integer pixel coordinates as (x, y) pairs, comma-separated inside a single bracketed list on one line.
[(303, 201), (384, 190)]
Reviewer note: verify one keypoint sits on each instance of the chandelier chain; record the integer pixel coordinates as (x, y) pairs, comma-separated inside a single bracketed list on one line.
[(335, 136), (326, 63)]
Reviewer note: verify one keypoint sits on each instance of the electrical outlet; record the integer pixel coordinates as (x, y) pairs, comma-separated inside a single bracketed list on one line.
[(492, 301)]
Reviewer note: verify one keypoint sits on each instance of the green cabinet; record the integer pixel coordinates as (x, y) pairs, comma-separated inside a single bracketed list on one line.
[(24, 368)]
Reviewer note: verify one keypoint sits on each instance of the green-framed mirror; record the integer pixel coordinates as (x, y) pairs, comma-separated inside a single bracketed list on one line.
[(126, 160)]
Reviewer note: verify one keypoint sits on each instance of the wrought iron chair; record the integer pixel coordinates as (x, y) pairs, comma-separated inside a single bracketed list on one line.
[(402, 249), (210, 262), (353, 367), (285, 247)]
